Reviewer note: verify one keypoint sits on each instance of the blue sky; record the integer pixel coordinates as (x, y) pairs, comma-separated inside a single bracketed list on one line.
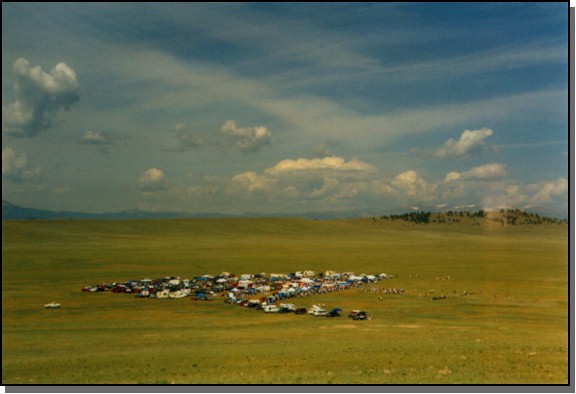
[(288, 107)]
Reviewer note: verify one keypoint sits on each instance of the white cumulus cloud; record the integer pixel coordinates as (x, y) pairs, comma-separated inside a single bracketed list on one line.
[(248, 139), (39, 98), (251, 181), (452, 176), (329, 186), (410, 184), (153, 179), (486, 172), (546, 191), (406, 178), (551, 192), (16, 167), (96, 138), (334, 163), (471, 141), (304, 180)]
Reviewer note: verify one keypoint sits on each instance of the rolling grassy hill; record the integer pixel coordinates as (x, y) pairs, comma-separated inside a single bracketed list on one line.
[(505, 318)]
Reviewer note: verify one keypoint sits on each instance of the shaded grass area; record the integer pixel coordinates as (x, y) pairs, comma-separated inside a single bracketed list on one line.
[(512, 328)]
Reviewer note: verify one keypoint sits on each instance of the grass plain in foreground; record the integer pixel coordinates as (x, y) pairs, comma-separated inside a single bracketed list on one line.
[(511, 329)]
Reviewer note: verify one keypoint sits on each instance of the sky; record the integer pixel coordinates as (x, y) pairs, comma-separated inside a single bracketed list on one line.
[(284, 107)]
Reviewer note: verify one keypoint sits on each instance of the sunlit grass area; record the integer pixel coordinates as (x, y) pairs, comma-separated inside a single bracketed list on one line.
[(504, 319)]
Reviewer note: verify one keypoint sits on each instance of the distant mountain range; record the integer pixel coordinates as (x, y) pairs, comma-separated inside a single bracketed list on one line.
[(14, 212)]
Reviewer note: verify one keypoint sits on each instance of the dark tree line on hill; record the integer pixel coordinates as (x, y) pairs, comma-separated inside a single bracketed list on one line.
[(413, 217), (509, 216)]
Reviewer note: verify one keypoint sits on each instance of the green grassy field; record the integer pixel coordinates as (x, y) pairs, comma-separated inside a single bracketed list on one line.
[(512, 329)]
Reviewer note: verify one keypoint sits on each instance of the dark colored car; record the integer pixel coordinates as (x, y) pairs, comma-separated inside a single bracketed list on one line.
[(334, 312), (357, 315)]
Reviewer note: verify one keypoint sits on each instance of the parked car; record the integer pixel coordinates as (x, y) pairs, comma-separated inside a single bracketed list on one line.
[(358, 315), (285, 308), (203, 297), (334, 312), (318, 310), (253, 303)]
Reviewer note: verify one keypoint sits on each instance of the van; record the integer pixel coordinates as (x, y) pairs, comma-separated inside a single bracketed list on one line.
[(270, 309)]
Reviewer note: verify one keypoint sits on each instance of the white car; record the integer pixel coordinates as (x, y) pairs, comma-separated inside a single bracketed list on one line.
[(318, 310), (270, 309)]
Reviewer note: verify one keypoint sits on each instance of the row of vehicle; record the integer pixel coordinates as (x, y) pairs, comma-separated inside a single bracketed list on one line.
[(315, 310), (282, 308), (251, 283)]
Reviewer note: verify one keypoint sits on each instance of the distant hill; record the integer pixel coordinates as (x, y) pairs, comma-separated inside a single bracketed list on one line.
[(14, 212), (490, 218)]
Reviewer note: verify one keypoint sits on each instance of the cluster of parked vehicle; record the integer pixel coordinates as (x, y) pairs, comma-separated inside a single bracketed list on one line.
[(259, 291), (282, 285)]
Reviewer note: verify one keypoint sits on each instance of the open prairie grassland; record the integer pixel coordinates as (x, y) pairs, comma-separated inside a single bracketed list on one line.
[(511, 328)]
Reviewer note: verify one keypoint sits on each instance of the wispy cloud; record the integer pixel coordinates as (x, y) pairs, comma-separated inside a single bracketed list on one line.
[(188, 83), (191, 140), (269, 38), (496, 59), (523, 145)]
